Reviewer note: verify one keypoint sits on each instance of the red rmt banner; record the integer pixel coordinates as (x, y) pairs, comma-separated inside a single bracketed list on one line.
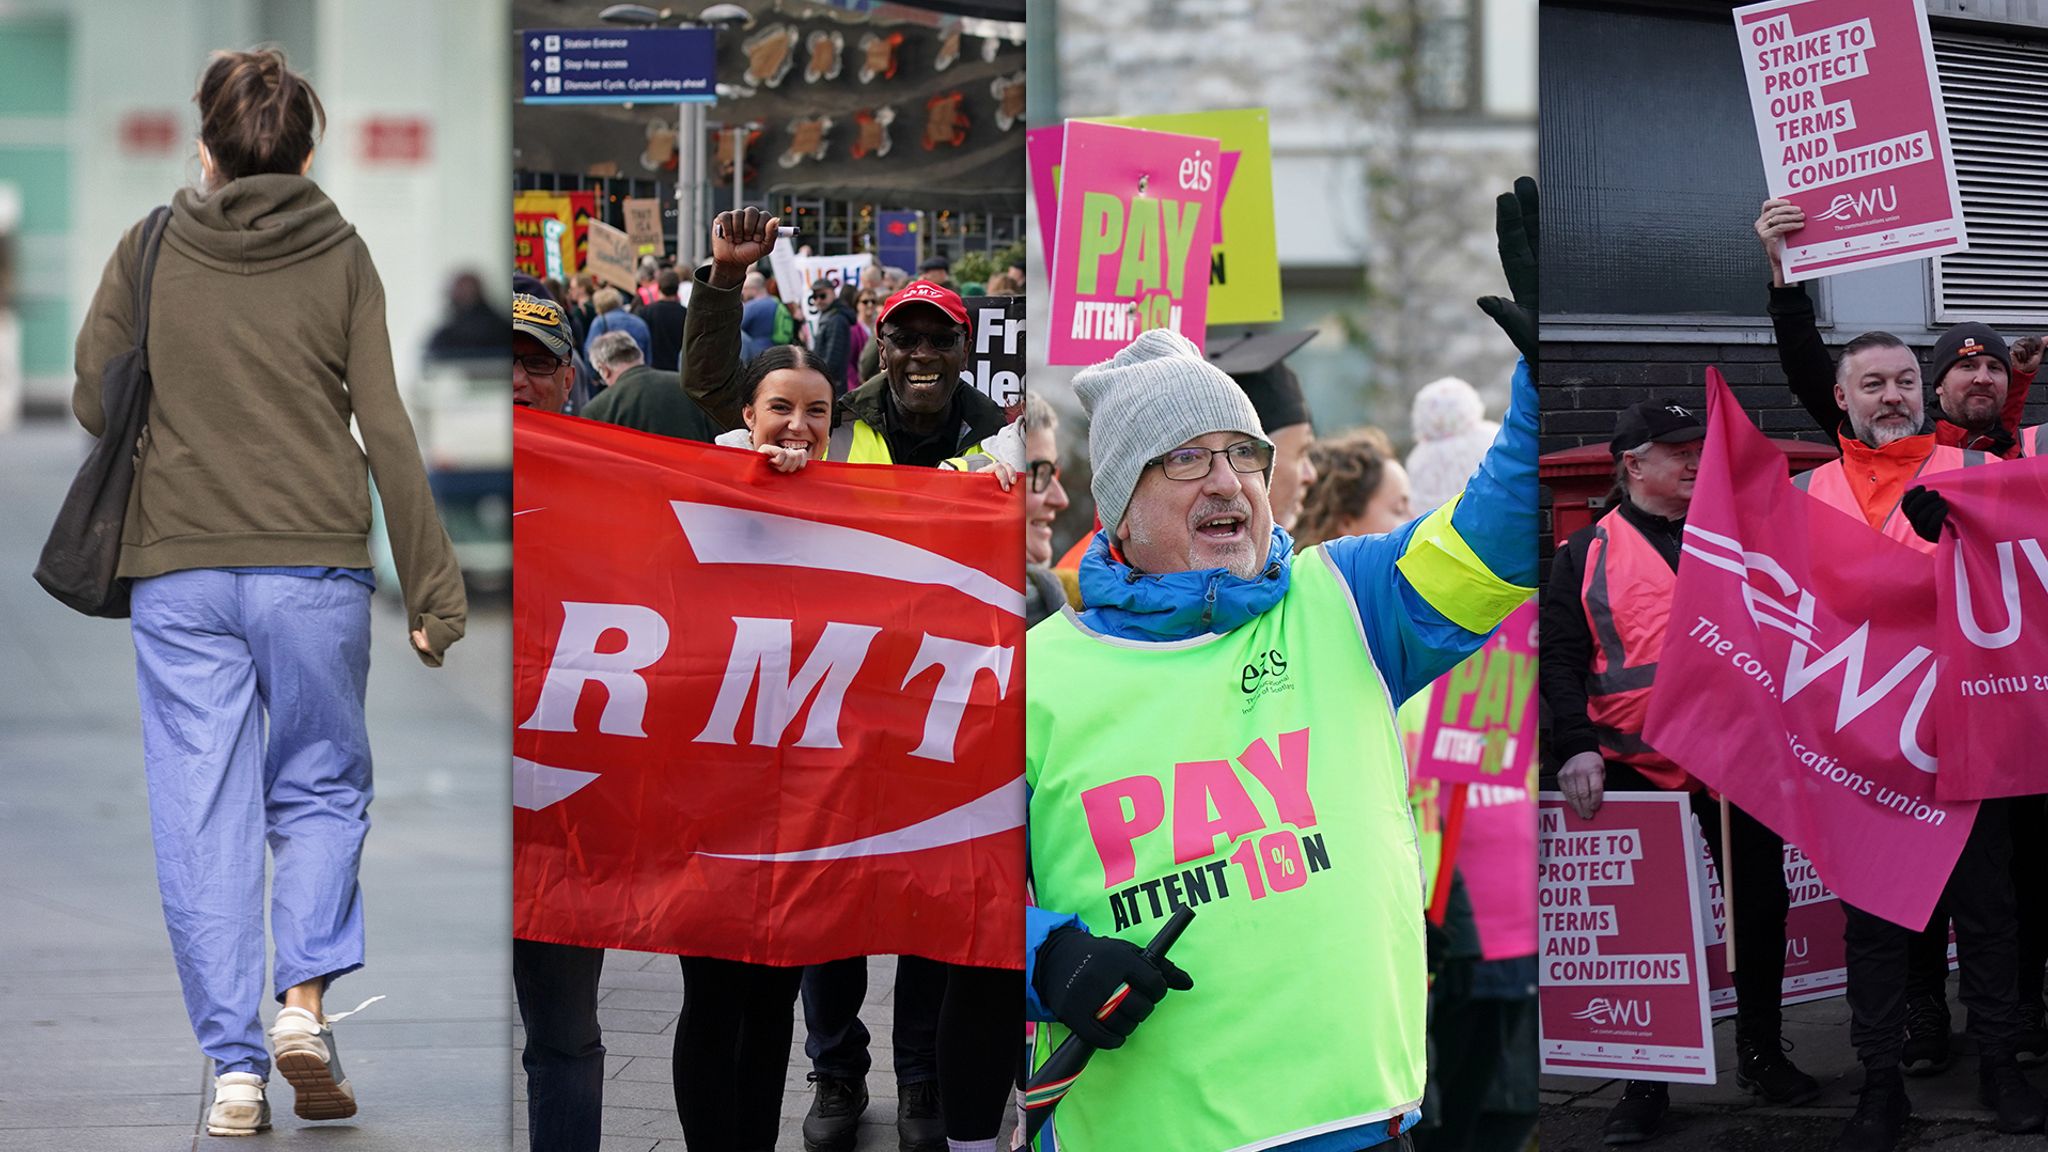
[(764, 717)]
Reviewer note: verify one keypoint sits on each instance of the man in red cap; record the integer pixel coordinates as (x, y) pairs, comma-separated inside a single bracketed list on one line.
[(914, 411)]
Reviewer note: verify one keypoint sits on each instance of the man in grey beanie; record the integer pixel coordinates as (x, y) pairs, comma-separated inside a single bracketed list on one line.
[(1215, 732), (1163, 411)]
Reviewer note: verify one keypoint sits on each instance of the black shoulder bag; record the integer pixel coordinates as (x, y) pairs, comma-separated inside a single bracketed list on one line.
[(84, 549)]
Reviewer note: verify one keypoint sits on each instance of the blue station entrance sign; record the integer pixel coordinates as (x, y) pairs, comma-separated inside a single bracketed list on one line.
[(618, 66)]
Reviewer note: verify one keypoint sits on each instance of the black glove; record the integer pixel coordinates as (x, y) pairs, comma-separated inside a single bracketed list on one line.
[(1077, 974), (1925, 509), (1515, 223)]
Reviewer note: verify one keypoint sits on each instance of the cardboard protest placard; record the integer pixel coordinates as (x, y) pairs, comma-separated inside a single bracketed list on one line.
[(643, 224), (1816, 964), (611, 256), (1621, 960), (1131, 252), (995, 361), (1244, 263), (546, 250), (795, 274), (1850, 118), (1481, 727)]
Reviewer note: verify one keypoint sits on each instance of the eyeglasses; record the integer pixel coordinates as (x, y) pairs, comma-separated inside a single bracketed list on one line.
[(538, 365), (1042, 473), (821, 296), (868, 301), (1194, 463), (903, 341)]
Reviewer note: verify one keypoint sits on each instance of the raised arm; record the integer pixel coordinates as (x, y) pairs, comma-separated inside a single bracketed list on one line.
[(711, 325), (1802, 355)]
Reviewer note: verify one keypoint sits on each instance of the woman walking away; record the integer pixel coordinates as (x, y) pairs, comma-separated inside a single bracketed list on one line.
[(246, 541)]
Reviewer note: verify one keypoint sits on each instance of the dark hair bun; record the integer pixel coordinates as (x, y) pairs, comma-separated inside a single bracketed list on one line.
[(256, 115)]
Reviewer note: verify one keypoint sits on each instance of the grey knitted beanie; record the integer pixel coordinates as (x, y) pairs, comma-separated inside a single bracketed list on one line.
[(1155, 395)]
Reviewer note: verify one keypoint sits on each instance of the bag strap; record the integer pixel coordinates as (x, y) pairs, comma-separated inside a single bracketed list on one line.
[(152, 240)]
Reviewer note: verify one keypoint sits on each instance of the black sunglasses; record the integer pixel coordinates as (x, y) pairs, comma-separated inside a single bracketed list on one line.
[(903, 341)]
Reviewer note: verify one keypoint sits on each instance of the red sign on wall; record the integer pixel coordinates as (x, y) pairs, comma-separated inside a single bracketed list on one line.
[(150, 132), (396, 140)]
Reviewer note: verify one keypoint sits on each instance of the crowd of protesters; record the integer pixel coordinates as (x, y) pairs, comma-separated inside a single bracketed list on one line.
[(1603, 620)]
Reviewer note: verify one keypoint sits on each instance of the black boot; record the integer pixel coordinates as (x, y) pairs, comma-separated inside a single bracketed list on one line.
[(1636, 1116), (1927, 1024), (1762, 1067), (1881, 1114), (919, 1125), (834, 1119), (2030, 1048), (2004, 1090)]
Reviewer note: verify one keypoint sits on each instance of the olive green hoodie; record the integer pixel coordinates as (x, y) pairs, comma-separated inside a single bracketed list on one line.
[(266, 334)]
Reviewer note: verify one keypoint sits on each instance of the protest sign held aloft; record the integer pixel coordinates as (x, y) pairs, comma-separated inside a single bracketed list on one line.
[(1136, 221), (1244, 264), (1481, 727), (1853, 131)]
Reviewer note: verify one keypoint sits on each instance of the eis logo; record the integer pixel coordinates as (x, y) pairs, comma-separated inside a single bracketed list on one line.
[(1615, 1013), (1868, 202), (1263, 676)]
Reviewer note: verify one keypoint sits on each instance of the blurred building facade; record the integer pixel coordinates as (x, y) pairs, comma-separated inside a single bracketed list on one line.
[(97, 126), (1394, 124)]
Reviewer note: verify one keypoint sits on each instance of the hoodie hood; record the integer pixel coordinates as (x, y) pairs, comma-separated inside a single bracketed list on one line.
[(1133, 605), (255, 224)]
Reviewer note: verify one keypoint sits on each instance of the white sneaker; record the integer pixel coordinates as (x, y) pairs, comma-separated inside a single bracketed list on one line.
[(239, 1108), (302, 1046)]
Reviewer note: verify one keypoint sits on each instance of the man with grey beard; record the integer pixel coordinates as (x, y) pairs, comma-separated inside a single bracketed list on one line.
[(1885, 448), (1979, 386)]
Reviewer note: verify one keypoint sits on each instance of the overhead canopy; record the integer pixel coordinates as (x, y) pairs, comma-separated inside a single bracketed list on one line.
[(982, 172)]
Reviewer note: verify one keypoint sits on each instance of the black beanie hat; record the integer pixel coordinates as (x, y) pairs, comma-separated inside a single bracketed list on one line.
[(1276, 394), (1965, 340)]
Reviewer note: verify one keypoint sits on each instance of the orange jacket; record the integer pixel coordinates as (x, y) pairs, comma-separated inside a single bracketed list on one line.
[(1868, 483)]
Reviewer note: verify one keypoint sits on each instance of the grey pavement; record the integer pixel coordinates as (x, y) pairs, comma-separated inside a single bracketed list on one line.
[(1723, 1117), (95, 1051), (639, 999)]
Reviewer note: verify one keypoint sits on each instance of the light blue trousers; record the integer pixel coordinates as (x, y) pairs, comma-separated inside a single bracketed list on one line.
[(216, 653)]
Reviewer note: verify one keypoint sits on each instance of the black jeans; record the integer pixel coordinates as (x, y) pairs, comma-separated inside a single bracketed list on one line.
[(1756, 892), (732, 1053), (1979, 899), (980, 1019), (2030, 890), (837, 1042), (954, 1024), (564, 1053), (1927, 956)]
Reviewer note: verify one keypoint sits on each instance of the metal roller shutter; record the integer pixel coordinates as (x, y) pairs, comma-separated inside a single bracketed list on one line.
[(1997, 98)]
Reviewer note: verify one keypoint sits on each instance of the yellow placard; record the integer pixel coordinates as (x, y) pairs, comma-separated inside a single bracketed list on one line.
[(1244, 264), (561, 208)]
